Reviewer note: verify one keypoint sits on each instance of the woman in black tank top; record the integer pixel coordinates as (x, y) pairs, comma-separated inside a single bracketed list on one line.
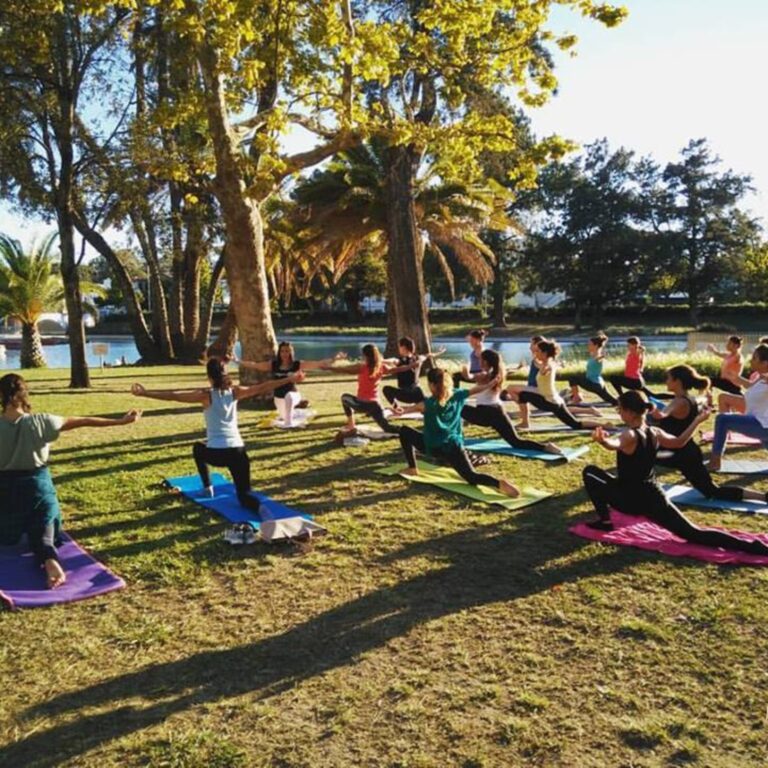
[(635, 491), (688, 460)]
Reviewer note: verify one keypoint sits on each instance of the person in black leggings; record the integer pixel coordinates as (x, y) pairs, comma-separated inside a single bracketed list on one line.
[(489, 412), (406, 368), (442, 436), (635, 491), (592, 380), (688, 460), (733, 364), (546, 397)]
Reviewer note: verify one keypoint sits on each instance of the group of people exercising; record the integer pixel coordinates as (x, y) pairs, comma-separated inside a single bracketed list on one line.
[(653, 432)]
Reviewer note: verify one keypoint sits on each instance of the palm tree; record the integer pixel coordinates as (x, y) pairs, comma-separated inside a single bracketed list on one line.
[(343, 213), (28, 288)]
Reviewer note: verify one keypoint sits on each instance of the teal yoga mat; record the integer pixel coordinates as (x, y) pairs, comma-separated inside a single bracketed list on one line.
[(690, 497), (503, 448), (447, 479)]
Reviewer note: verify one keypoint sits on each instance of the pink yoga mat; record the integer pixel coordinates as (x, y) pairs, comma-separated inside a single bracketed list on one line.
[(22, 582), (640, 532), (734, 438)]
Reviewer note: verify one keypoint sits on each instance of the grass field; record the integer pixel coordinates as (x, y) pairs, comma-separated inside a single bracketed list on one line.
[(423, 631)]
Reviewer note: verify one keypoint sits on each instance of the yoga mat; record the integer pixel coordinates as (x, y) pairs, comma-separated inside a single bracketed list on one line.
[(375, 433), (640, 532), (447, 479), (301, 417), (545, 428), (23, 584), (505, 449), (743, 467), (734, 438), (690, 497), (390, 415), (225, 501)]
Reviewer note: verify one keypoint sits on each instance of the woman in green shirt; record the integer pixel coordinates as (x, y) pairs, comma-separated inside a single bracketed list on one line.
[(28, 502), (442, 436)]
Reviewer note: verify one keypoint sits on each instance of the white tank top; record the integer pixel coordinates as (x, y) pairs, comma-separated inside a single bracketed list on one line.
[(757, 401), (488, 397), (221, 420)]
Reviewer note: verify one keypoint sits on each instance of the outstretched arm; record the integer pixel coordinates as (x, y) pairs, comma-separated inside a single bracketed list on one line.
[(175, 395), (670, 441), (715, 351), (351, 368), (75, 422), (624, 442), (414, 408), (252, 365), (484, 384), (242, 393)]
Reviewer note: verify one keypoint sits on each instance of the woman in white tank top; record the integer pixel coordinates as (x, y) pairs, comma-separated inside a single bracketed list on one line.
[(224, 446)]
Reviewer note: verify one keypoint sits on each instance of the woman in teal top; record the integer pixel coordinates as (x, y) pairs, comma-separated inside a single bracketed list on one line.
[(593, 380), (28, 502), (442, 437)]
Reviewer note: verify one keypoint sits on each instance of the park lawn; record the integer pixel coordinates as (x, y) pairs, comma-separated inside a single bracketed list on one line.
[(423, 631)]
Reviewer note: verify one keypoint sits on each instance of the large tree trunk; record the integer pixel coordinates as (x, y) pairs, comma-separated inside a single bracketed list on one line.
[(32, 355), (499, 295), (194, 252), (149, 351), (244, 255), (405, 253)]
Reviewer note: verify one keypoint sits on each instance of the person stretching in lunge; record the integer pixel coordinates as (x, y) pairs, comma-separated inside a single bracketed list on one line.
[(592, 380), (753, 422), (688, 460), (369, 373), (224, 447), (634, 489), (546, 397), (28, 501), (442, 437), (489, 411)]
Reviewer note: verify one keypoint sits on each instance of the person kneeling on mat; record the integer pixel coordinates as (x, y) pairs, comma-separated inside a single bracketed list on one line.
[(442, 436), (688, 460), (28, 501), (224, 447), (635, 490), (753, 421)]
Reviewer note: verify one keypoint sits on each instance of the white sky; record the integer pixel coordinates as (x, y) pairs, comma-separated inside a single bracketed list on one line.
[(675, 70)]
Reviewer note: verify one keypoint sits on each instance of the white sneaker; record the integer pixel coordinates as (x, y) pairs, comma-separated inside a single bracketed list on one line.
[(209, 491)]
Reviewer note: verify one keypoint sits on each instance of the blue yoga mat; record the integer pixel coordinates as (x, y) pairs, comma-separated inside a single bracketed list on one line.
[(225, 501), (690, 497), (505, 449)]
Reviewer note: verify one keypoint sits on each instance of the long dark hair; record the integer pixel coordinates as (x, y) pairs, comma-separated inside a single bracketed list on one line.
[(495, 364), (689, 377), (372, 358), (600, 340), (284, 345), (478, 333), (217, 373), (14, 392), (550, 348)]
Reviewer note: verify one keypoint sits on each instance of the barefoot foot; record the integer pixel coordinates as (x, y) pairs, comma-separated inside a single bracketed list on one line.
[(54, 573), (410, 471), (553, 448), (508, 489)]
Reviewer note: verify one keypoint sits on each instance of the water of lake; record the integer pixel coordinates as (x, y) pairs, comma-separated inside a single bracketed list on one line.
[(318, 347)]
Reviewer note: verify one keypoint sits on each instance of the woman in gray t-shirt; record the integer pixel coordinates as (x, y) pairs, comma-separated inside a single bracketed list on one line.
[(28, 502)]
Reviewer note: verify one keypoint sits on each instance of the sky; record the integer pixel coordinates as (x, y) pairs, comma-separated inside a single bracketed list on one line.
[(673, 71)]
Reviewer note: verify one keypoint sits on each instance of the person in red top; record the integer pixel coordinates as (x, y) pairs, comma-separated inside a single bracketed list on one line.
[(370, 371), (633, 369)]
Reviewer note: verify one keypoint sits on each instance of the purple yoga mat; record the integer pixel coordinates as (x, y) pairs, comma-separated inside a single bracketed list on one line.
[(640, 532), (22, 582)]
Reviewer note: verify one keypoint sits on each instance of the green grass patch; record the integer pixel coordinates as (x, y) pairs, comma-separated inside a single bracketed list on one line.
[(425, 630)]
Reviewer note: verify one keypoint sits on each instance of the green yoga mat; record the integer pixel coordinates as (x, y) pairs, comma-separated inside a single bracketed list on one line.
[(448, 480)]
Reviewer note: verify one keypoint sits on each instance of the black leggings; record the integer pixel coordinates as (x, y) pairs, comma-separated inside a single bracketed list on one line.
[(370, 408), (648, 499), (690, 463), (412, 440), (496, 417), (403, 394), (727, 386), (541, 402), (233, 459), (594, 387)]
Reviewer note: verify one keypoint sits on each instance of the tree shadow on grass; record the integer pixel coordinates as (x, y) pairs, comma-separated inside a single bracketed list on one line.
[(485, 564)]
